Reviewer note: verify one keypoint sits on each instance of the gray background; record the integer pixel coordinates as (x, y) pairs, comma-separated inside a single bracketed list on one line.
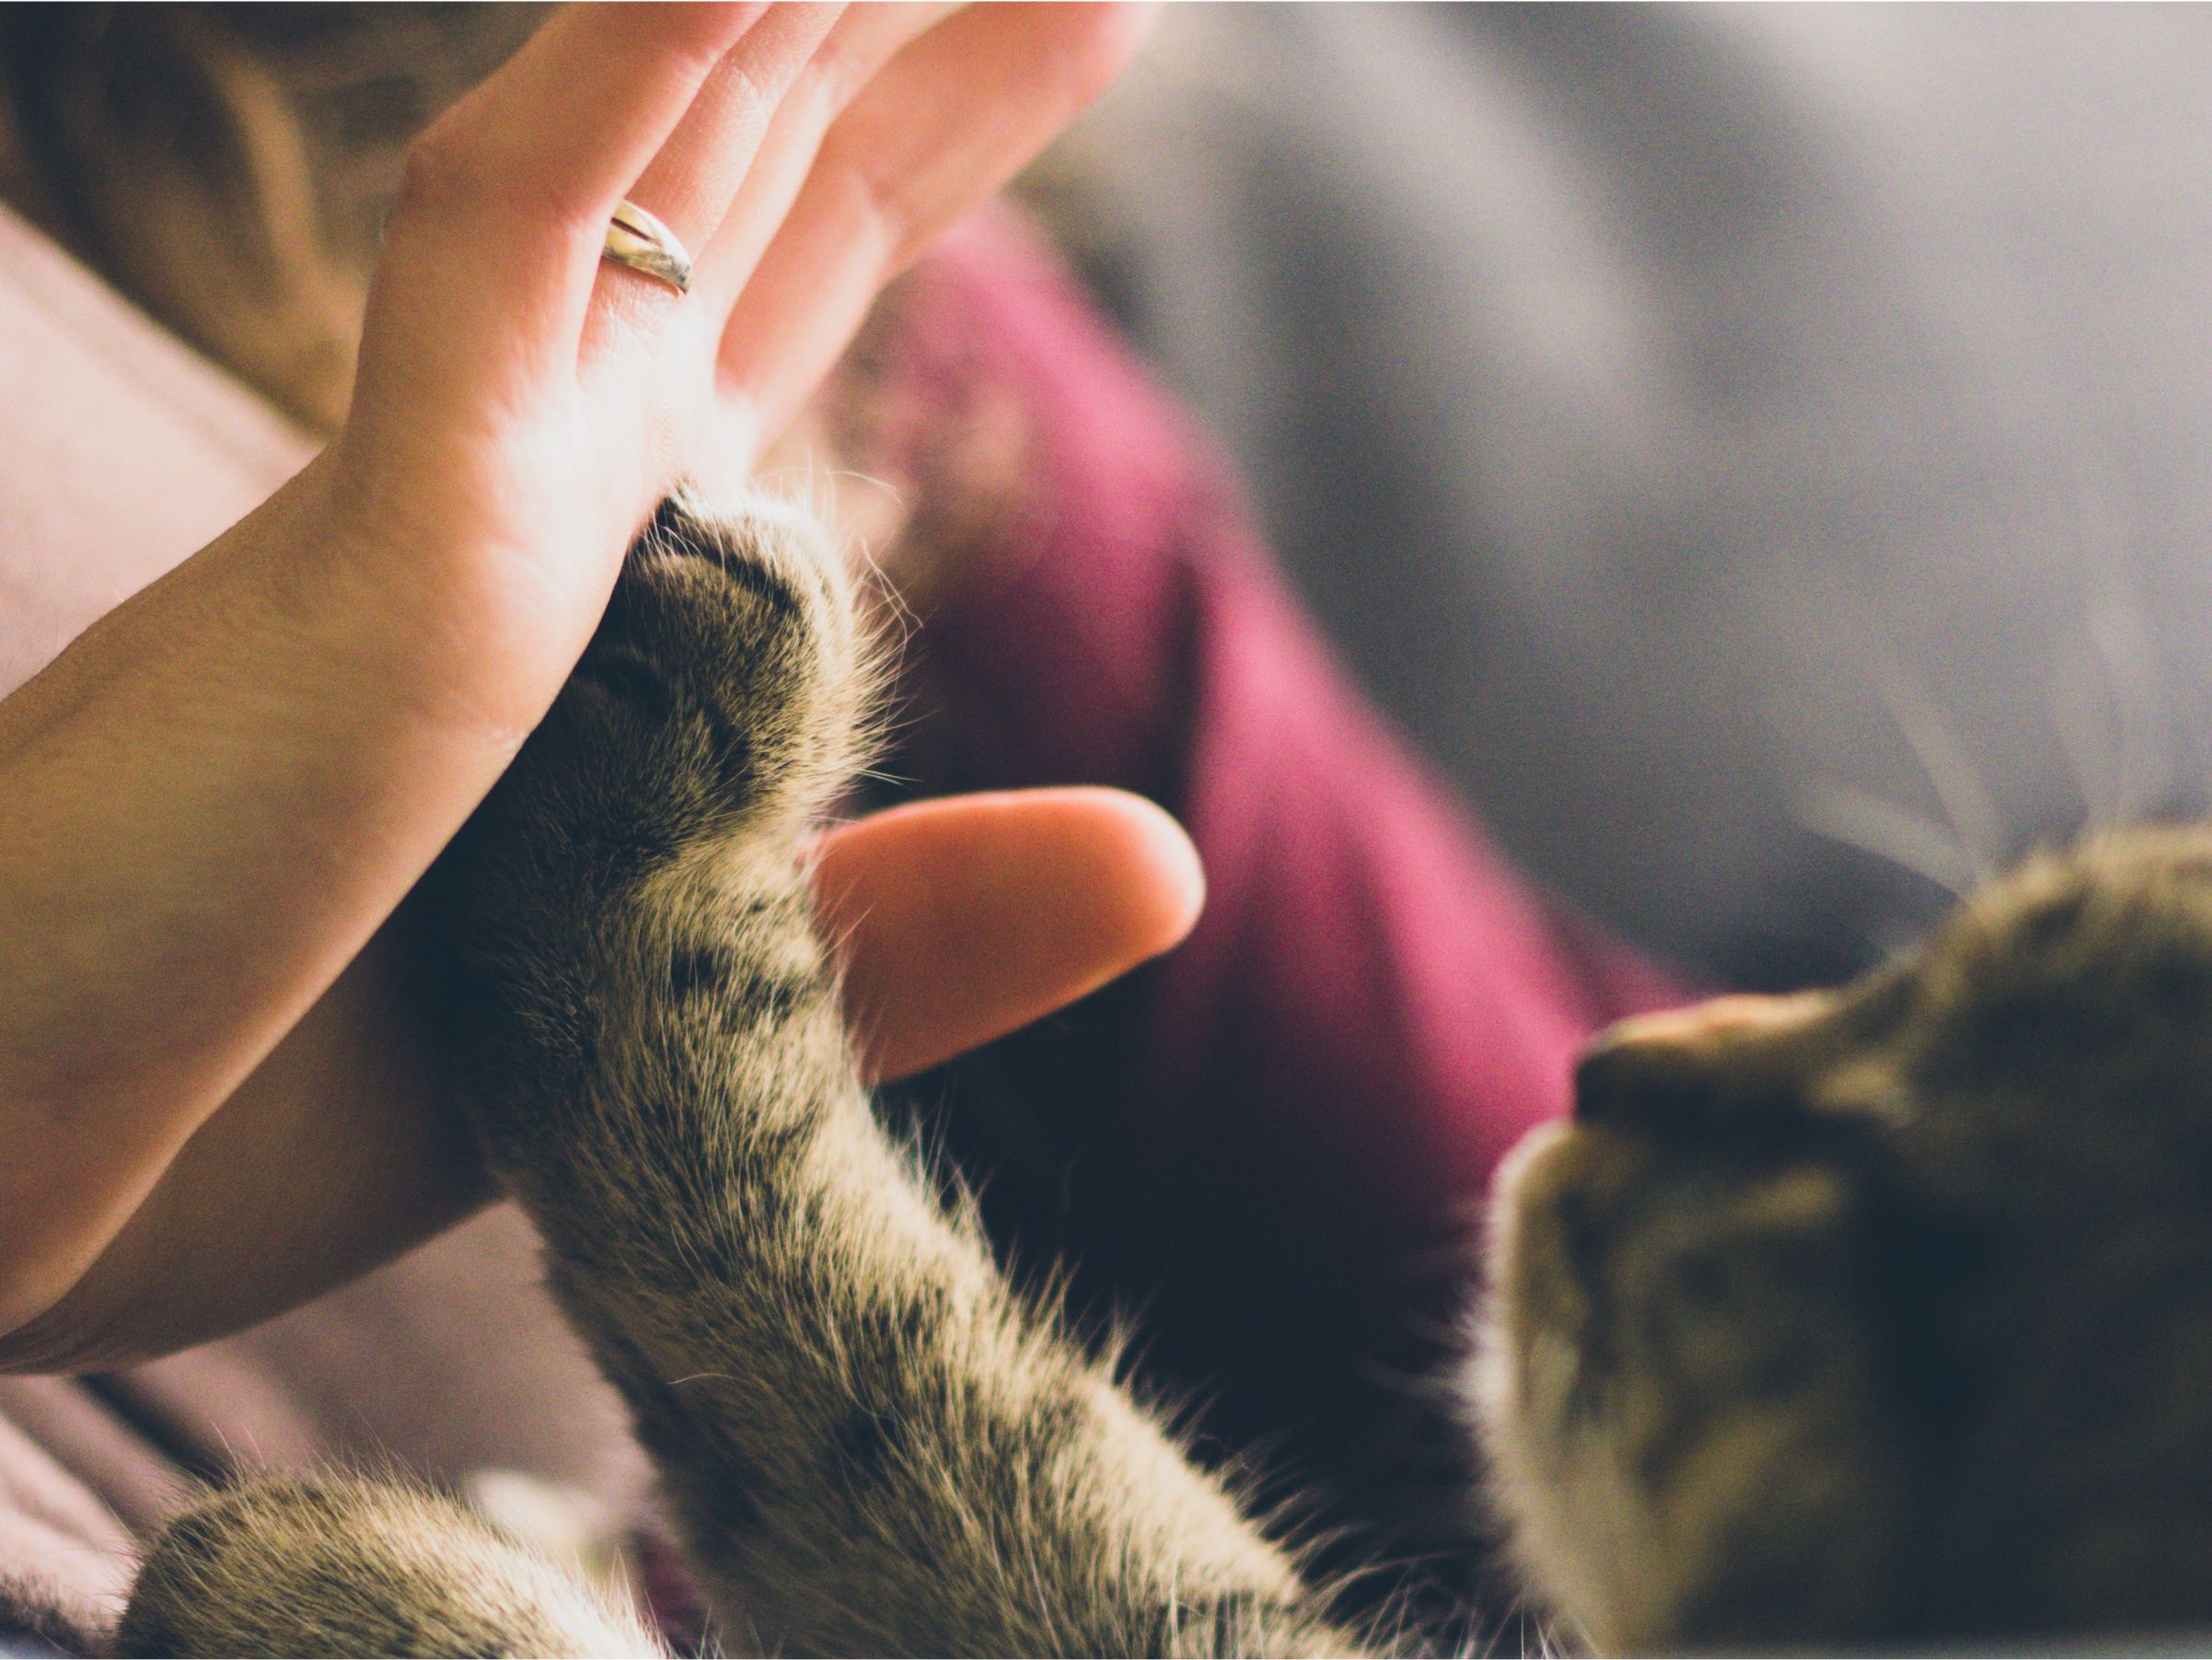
[(1761, 454)]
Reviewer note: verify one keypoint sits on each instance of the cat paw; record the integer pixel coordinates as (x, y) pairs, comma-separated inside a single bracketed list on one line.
[(717, 707), (719, 704), (352, 1567), (719, 696)]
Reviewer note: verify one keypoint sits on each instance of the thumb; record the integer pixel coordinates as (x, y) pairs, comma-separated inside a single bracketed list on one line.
[(965, 918)]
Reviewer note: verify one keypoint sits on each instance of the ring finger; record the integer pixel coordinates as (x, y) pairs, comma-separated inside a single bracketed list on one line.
[(726, 177), (689, 183)]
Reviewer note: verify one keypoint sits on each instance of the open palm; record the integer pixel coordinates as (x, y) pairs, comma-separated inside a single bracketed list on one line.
[(216, 796)]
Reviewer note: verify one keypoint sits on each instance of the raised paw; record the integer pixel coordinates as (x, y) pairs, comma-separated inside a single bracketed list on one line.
[(726, 681), (354, 1567), (717, 707), (719, 696)]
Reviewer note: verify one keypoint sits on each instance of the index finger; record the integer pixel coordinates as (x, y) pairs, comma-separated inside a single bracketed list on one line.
[(946, 122), (963, 919)]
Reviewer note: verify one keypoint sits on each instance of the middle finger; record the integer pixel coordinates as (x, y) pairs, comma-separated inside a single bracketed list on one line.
[(729, 173), (690, 182)]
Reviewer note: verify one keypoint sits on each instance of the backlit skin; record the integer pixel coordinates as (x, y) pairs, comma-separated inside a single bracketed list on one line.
[(251, 762)]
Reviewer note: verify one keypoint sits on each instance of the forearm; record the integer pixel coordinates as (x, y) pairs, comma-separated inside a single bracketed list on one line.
[(211, 802), (337, 1154), (199, 837), (872, 1447)]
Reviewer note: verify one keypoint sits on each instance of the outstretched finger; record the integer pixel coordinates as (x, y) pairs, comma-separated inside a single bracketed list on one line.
[(867, 37), (691, 181), (728, 175), (943, 124), (963, 919), (505, 207)]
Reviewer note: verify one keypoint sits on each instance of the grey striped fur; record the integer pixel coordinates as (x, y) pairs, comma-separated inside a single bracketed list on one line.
[(870, 1444)]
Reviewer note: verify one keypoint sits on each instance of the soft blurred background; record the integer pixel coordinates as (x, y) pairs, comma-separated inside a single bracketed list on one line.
[(1760, 454)]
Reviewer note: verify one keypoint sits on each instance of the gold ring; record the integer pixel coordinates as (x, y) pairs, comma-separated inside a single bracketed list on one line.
[(635, 238)]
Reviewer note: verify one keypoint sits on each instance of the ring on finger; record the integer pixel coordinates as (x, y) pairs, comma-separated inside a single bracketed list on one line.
[(635, 238)]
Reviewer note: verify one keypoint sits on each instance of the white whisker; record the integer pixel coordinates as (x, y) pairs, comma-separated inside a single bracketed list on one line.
[(1978, 828), (1856, 818)]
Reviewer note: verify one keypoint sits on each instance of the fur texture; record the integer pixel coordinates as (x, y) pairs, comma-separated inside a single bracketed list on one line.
[(1849, 1318), (352, 1567), (1884, 1314), (870, 1445)]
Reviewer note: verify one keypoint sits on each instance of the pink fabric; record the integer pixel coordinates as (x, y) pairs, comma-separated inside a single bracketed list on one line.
[(1276, 1126), (1371, 981)]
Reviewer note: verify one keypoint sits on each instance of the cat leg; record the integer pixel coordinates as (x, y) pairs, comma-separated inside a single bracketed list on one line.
[(871, 1444), (356, 1567)]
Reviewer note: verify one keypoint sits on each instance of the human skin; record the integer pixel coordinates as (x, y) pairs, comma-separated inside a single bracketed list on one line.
[(214, 1101)]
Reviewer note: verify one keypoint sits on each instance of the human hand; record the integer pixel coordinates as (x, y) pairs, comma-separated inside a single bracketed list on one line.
[(215, 797), (965, 918), (521, 408), (959, 920)]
